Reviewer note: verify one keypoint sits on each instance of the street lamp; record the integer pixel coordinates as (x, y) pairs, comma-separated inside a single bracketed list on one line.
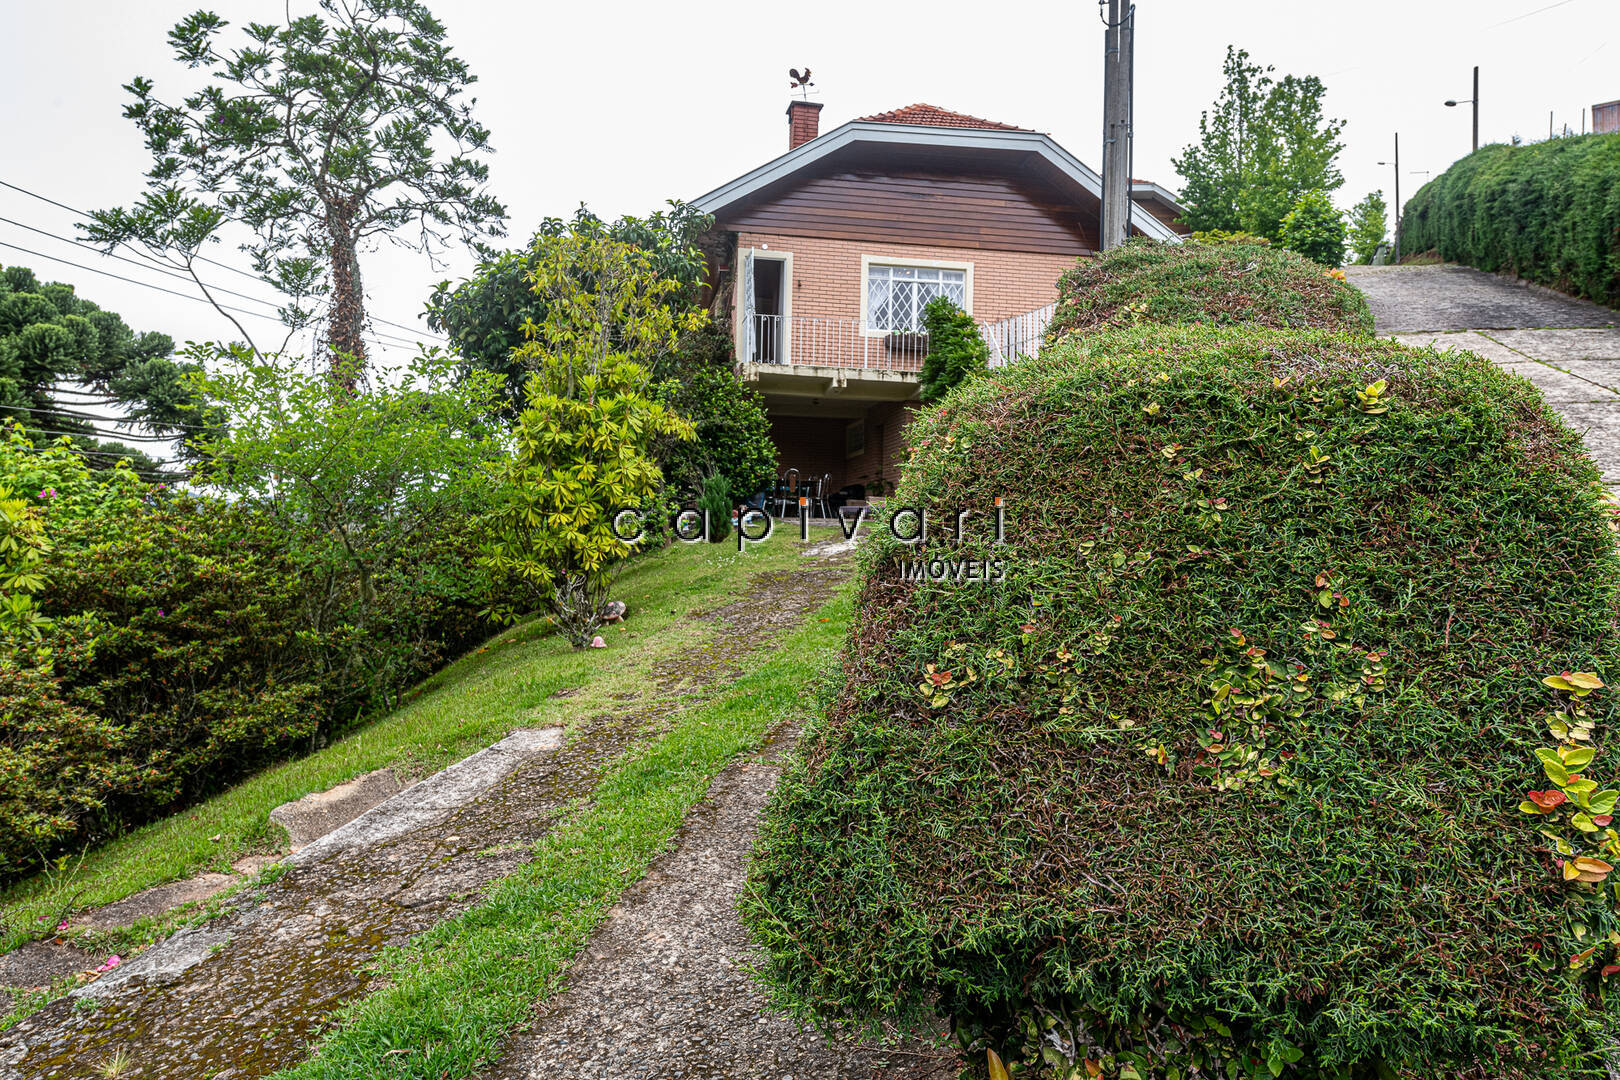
[(1397, 164), (1474, 101)]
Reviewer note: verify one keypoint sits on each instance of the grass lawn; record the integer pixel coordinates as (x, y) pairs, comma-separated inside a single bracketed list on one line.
[(508, 683)]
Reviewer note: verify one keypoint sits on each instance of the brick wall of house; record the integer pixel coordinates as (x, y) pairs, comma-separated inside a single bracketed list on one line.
[(885, 448), (827, 274), (815, 445), (811, 444)]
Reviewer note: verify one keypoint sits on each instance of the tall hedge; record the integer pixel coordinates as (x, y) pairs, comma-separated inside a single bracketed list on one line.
[(1222, 777), (1548, 212)]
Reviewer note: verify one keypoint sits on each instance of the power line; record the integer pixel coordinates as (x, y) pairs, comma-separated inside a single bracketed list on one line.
[(136, 262), (1527, 14), (203, 258), (184, 296), (74, 449), (133, 281), (161, 289), (116, 437), (101, 419)]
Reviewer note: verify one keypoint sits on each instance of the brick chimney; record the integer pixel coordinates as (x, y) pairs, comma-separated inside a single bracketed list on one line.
[(804, 122)]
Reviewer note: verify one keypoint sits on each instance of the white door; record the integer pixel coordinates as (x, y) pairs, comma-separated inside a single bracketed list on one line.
[(750, 343)]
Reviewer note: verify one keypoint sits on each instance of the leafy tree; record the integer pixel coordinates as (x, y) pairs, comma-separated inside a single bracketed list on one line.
[(1369, 224), (49, 334), (485, 315), (956, 350), (333, 130), (1265, 143), (1314, 228), (699, 382), (23, 547), (354, 480), (584, 440)]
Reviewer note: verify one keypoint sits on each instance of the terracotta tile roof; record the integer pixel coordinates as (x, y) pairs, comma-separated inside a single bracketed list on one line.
[(934, 116)]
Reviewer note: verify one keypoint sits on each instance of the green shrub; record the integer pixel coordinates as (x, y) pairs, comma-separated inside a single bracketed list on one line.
[(1548, 212), (1222, 779), (1223, 236), (1314, 228), (190, 643), (956, 350), (201, 658), (716, 502), (1369, 225), (23, 547), (699, 383), (1195, 284), (58, 762), (428, 605)]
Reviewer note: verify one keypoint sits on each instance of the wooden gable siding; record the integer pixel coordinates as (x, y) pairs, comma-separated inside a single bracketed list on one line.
[(1165, 214), (995, 213)]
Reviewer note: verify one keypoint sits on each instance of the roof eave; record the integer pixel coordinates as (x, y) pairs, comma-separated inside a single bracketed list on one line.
[(1160, 192), (858, 131)]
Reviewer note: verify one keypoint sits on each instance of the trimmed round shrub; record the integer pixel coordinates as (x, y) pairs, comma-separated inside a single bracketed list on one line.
[(1198, 284), (1214, 767)]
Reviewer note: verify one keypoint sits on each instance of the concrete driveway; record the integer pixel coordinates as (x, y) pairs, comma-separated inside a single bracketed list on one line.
[(1568, 347)]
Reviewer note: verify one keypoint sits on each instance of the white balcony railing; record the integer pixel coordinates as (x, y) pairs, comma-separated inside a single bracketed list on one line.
[(828, 341), (1018, 336)]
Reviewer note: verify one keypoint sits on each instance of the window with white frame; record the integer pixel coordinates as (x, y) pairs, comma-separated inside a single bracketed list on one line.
[(896, 295)]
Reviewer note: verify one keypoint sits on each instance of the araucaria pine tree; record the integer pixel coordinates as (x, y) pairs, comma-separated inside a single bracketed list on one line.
[(320, 135)]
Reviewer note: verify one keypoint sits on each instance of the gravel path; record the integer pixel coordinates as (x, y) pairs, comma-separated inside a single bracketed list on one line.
[(250, 992), (1569, 348), (665, 991)]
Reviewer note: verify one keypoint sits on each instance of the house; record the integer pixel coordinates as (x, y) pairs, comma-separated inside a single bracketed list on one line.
[(822, 259), (1606, 118)]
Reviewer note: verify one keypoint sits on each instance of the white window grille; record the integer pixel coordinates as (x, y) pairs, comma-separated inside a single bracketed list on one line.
[(896, 295)]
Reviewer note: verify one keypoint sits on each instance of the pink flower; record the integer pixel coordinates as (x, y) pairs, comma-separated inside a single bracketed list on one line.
[(111, 962), (61, 926)]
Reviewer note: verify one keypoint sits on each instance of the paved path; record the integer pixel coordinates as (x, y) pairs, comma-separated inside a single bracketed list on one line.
[(1409, 299), (667, 990), (1568, 347)]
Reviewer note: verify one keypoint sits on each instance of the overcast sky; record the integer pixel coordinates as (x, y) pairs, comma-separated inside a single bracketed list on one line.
[(622, 106)]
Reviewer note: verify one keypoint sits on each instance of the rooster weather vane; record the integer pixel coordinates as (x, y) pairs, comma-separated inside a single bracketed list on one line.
[(801, 83)]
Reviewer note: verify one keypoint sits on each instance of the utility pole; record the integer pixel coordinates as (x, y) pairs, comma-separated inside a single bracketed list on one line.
[(1118, 49), (1397, 164), (1397, 198)]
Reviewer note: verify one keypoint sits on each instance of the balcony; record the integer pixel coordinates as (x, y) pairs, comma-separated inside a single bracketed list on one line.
[(828, 342)]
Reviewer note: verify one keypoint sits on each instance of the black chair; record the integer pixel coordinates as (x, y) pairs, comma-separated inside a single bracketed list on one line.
[(820, 498), (786, 489)]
